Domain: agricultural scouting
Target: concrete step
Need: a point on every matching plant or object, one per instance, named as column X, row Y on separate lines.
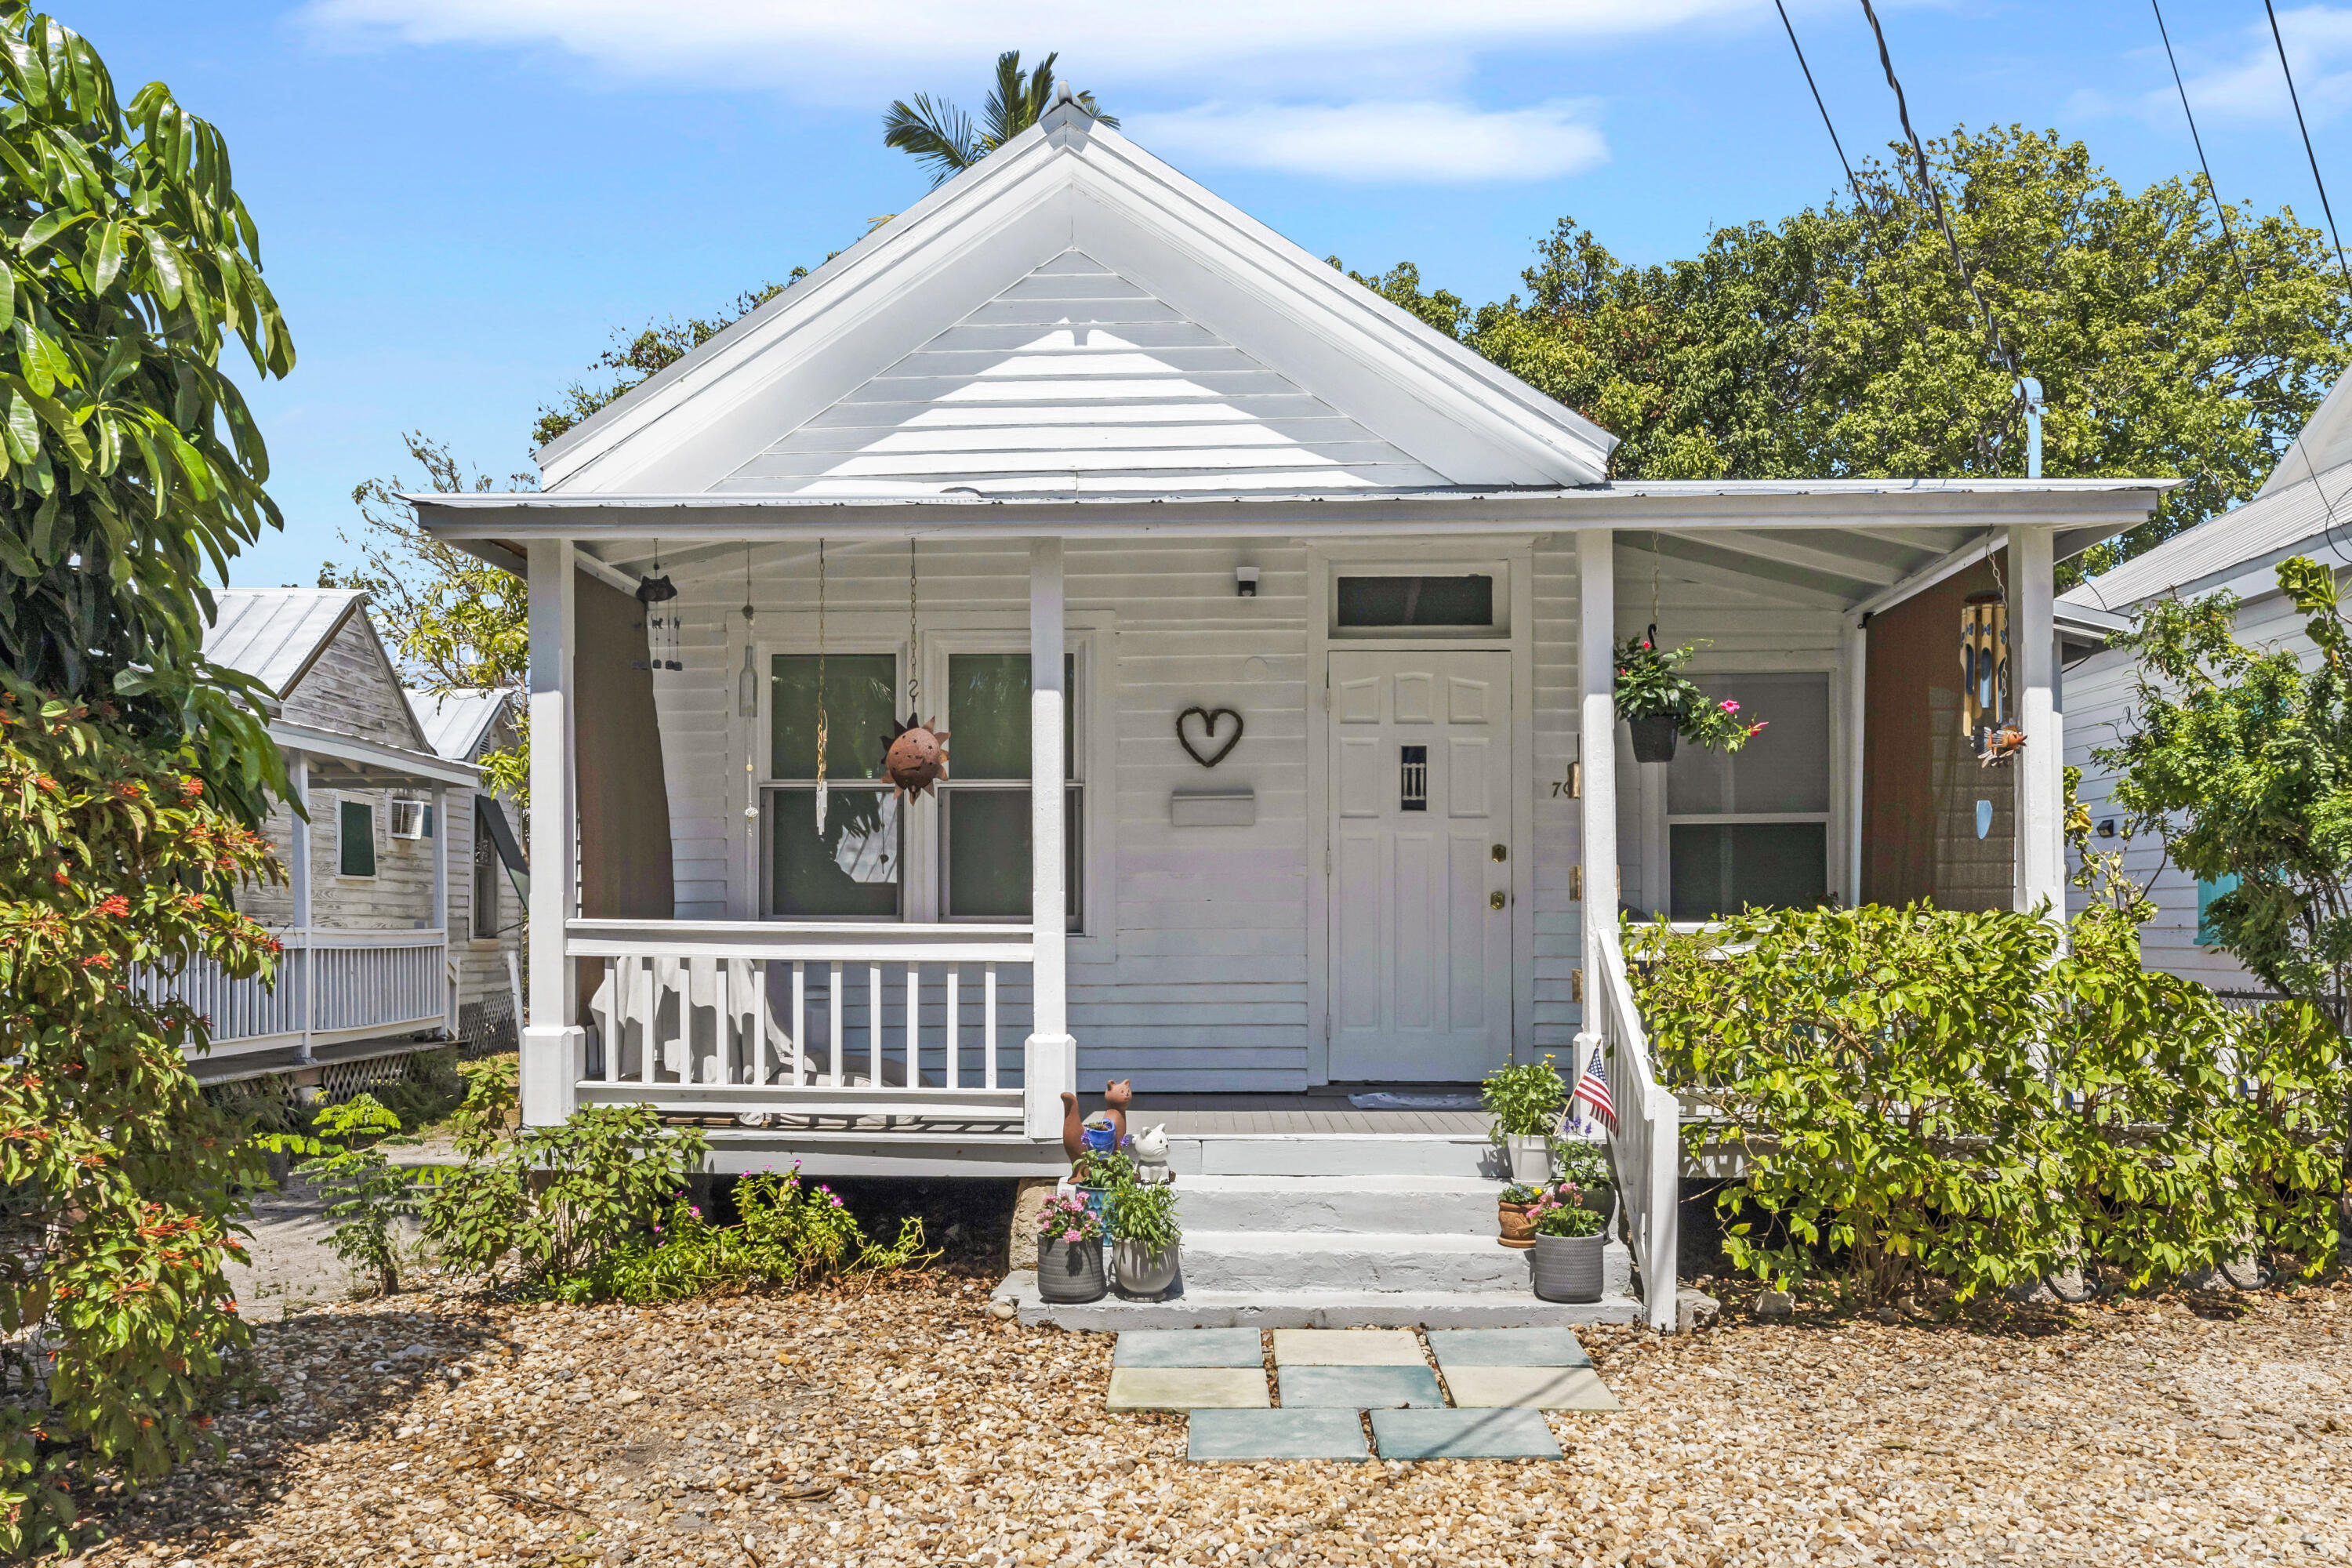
column 1317, row 1310
column 1359, row 1261
column 1333, row 1154
column 1287, row 1205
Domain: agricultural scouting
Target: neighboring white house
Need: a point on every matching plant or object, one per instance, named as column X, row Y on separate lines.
column 486, row 943
column 1302, row 612
column 368, row 974
column 2303, row 508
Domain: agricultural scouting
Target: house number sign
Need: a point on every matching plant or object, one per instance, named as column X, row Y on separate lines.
column 1208, row 718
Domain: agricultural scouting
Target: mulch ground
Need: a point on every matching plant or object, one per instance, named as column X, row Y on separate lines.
column 906, row 1425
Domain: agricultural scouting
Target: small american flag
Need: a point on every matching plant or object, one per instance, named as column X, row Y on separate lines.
column 1593, row 1089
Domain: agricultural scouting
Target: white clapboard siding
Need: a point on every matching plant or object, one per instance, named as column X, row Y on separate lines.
column 2098, row 697
column 1074, row 380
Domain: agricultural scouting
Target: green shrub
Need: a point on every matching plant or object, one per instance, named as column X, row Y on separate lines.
column 786, row 1235
column 1147, row 1214
column 1526, row 1100
column 366, row 1195
column 559, row 1204
column 1921, row 1093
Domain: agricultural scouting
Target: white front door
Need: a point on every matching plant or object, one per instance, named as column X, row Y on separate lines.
column 1421, row 929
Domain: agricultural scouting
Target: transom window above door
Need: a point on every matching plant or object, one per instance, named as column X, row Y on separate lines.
column 1388, row 604
column 1750, row 830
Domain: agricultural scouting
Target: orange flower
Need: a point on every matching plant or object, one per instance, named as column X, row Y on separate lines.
column 191, row 788
column 113, row 904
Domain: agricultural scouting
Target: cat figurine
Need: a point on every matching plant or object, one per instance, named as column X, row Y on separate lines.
column 1149, row 1149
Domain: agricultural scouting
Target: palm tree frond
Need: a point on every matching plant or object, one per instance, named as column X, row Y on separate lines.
column 938, row 134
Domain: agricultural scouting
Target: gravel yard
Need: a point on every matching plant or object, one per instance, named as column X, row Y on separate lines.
column 906, row 1426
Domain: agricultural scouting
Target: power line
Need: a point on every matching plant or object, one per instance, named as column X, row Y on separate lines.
column 1824, row 108
column 2299, row 125
column 1935, row 195
column 2199, row 142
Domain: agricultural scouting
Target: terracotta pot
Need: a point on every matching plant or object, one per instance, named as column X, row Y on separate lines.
column 1070, row 1271
column 1654, row 737
column 1518, row 1230
column 1569, row 1268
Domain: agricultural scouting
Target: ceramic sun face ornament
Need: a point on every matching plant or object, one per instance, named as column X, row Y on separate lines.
column 915, row 757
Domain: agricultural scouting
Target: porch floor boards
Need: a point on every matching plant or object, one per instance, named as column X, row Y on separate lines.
column 1321, row 1109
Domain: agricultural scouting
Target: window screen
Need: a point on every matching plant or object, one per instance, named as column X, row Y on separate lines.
column 985, row 801
column 1750, row 829
column 486, row 876
column 356, row 823
column 1366, row 602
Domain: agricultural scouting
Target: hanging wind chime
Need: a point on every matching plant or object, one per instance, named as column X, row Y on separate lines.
column 915, row 757
column 747, row 703
column 1986, row 726
column 822, row 799
column 661, row 630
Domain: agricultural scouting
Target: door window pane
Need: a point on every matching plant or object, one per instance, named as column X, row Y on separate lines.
column 988, row 716
column 859, row 689
column 357, row 850
column 1721, row 868
column 1416, row 601
column 1785, row 769
column 849, row 870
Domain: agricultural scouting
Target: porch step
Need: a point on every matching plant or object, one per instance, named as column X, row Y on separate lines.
column 1422, row 1263
column 1371, row 1204
column 1333, row 1154
column 1316, row 1309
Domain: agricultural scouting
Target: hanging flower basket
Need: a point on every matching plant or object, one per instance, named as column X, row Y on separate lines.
column 1660, row 703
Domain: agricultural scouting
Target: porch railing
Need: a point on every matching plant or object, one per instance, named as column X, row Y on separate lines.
column 1646, row 1143
column 330, row 986
column 802, row 1019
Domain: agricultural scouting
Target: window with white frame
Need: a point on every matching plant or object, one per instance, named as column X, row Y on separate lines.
column 1750, row 829
column 849, row 865
column 984, row 837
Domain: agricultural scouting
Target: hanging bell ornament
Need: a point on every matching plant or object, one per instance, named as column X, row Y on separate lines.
column 915, row 757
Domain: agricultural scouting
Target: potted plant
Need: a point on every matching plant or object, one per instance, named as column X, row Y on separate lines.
column 1103, row 1176
column 1511, row 1214
column 1070, row 1251
column 1569, row 1245
column 1144, row 1238
column 1659, row 702
column 1525, row 1101
column 1584, row 1166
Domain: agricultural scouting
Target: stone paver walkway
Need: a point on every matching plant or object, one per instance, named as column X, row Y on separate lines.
column 1338, row 1384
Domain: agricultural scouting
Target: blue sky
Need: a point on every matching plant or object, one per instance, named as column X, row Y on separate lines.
column 461, row 200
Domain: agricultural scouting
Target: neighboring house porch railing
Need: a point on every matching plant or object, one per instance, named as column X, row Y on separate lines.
column 802, row 1019
column 332, row 987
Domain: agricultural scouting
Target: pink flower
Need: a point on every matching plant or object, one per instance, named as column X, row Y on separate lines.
column 1070, row 1236
column 1728, row 706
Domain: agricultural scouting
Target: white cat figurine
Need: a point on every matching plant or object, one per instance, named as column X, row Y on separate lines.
column 1149, row 1149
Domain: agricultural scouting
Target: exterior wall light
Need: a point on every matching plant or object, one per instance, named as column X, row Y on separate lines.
column 1245, row 582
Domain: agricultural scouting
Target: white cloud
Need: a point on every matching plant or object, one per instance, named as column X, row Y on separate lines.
column 2252, row 88
column 1421, row 142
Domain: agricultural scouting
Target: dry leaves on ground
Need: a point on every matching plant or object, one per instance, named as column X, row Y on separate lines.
column 907, row 1427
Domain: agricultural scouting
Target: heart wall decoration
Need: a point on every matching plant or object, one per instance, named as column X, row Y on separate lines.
column 1208, row 718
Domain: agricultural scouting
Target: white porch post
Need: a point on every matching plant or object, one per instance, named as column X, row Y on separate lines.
column 1051, row 1056
column 298, row 874
column 441, row 906
column 2033, row 670
column 1857, row 707
column 553, row 1052
column 1596, row 678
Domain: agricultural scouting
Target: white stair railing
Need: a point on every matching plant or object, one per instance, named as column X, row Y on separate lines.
column 1646, row 1143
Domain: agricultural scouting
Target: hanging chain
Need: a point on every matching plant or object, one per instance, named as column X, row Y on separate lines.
column 820, row 802
column 1653, row 585
column 914, row 665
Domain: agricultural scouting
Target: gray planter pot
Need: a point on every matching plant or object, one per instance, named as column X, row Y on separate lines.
column 1567, row 1268
column 1654, row 738
column 1530, row 1158
column 1142, row 1272
column 1070, row 1272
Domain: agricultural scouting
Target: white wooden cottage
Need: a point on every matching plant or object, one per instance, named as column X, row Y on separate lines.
column 1304, row 612
column 368, row 910
column 2305, row 508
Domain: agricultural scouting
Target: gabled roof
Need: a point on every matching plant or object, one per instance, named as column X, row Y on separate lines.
column 275, row 635
column 454, row 722
column 2324, row 442
column 1069, row 316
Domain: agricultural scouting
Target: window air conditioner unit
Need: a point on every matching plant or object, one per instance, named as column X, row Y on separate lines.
column 411, row 819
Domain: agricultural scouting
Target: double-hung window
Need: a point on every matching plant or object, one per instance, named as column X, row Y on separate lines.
column 848, row 867
column 1750, row 829
column 985, row 801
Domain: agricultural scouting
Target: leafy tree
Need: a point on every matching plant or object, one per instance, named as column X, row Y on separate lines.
column 944, row 136
column 637, row 358
column 2240, row 759
column 1839, row 340
column 133, row 464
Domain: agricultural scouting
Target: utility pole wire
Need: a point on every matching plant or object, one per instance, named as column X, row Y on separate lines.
column 1935, row 195
column 2199, row 142
column 1824, row 108
column 2291, row 96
